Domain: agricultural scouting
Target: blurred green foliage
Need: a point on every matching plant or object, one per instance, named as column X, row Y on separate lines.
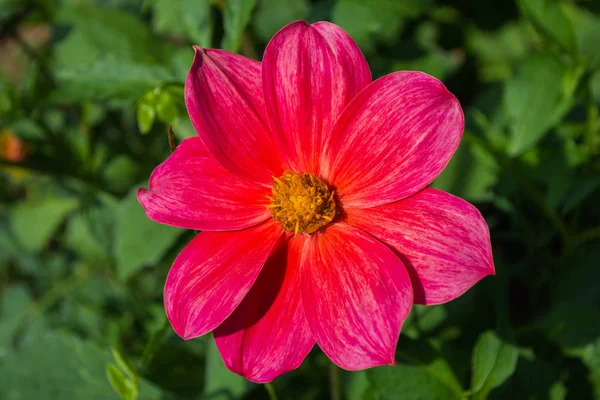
column 87, row 91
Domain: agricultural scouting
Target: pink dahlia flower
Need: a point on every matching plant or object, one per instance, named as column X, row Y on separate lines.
column 309, row 184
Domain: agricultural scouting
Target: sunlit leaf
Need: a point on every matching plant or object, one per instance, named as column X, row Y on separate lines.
column 236, row 16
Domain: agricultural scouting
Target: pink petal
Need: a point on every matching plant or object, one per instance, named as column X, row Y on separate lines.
column 310, row 73
column 191, row 190
column 443, row 241
column 212, row 274
column 223, row 95
column 267, row 335
column 356, row 294
column 393, row 139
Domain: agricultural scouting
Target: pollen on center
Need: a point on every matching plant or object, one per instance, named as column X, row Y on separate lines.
column 301, row 202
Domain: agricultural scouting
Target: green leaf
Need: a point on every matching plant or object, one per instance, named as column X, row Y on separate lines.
column 34, row 222
column 183, row 128
column 272, row 15
column 558, row 391
column 550, row 19
column 484, row 358
column 369, row 20
column 587, row 32
column 139, row 241
column 414, row 382
column 59, row 367
column 198, row 22
column 236, row 16
column 32, row 373
column 488, row 375
column 498, row 52
column 167, row 107
column 188, row 18
column 123, row 364
column 471, row 173
column 595, row 86
column 536, row 98
column 81, row 239
column 222, row 384
column 104, row 31
column 109, row 78
column 120, row 173
column 590, row 355
column 146, row 115
column 15, row 302
column 120, row 383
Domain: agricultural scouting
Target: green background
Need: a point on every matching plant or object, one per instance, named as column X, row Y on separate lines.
column 90, row 88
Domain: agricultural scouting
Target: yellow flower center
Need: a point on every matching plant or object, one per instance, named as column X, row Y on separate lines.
column 301, row 202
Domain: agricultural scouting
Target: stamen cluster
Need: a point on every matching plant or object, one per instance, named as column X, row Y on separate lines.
column 301, row 202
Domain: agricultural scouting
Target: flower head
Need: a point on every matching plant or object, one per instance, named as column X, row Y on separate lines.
column 309, row 184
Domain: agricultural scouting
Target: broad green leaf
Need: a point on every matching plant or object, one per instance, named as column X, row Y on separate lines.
column 587, row 32
column 485, row 354
column 471, row 173
column 369, row 20
column 222, row 384
column 236, row 16
column 109, row 78
column 272, row 15
column 536, row 98
column 81, row 239
column 504, row 366
column 551, row 20
column 139, row 241
column 198, row 22
column 59, row 367
column 189, row 18
column 120, row 173
column 104, row 31
column 414, row 382
column 14, row 303
column 34, row 222
column 498, row 52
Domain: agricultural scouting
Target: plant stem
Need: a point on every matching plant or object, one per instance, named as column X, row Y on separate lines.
column 334, row 382
column 269, row 387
